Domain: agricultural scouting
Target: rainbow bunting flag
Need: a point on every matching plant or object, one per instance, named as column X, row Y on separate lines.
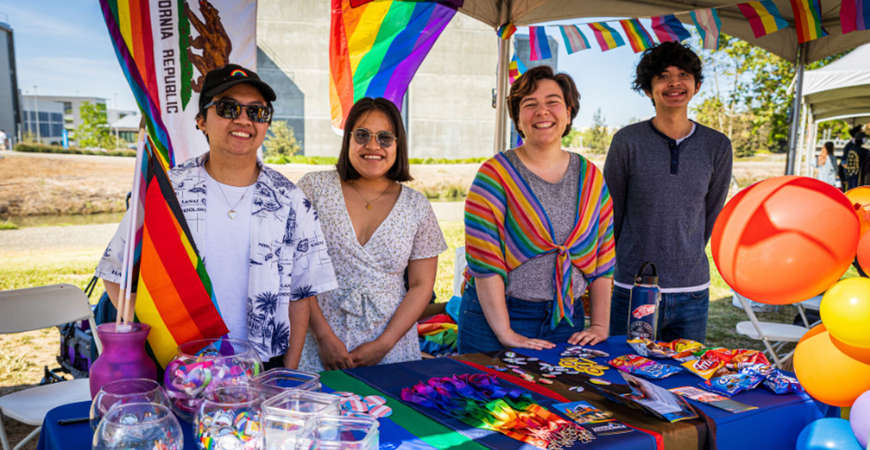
column 606, row 36
column 538, row 44
column 574, row 39
column 763, row 17
column 515, row 69
column 375, row 48
column 668, row 28
column 708, row 24
column 638, row 37
column 174, row 293
column 506, row 31
column 807, row 20
column 854, row 15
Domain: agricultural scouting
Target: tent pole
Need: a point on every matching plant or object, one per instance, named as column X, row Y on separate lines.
column 501, row 94
column 800, row 58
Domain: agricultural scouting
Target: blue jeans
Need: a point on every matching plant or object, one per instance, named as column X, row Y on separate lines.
column 530, row 319
column 681, row 315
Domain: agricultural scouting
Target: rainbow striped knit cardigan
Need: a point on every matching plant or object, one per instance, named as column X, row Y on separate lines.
column 506, row 225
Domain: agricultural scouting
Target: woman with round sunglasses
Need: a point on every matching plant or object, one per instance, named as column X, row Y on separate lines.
column 375, row 229
column 538, row 232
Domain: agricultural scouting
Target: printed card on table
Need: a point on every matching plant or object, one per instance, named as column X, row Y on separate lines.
column 715, row 400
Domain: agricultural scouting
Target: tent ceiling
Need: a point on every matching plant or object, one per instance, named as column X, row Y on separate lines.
column 782, row 43
column 841, row 88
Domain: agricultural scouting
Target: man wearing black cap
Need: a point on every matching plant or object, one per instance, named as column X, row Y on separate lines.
column 258, row 236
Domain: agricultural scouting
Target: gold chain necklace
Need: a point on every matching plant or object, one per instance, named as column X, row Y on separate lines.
column 369, row 202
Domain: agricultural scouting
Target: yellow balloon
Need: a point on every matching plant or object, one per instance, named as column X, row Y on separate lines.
column 845, row 311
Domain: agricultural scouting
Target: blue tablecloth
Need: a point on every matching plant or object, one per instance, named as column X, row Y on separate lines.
column 774, row 425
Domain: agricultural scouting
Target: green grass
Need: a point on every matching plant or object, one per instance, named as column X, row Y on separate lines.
column 7, row 225
column 22, row 272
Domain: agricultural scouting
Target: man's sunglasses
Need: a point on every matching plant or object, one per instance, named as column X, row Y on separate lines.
column 231, row 109
column 385, row 139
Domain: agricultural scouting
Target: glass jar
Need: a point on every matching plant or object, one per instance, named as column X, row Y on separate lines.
column 138, row 426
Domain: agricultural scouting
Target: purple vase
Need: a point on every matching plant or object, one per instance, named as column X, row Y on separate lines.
column 123, row 356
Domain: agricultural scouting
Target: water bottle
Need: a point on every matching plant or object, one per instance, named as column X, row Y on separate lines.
column 644, row 304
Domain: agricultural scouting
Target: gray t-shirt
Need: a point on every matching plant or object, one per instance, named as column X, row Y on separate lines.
column 533, row 280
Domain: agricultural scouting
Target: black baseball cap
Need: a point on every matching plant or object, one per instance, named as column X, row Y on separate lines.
column 223, row 78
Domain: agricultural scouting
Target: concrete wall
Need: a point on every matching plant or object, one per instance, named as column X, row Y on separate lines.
column 450, row 98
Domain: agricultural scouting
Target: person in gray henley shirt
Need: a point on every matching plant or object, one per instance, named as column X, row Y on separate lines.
column 668, row 178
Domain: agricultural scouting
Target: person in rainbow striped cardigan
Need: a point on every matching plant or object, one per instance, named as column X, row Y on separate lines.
column 539, row 232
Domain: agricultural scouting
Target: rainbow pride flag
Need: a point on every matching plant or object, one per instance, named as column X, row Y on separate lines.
column 763, row 17
column 854, row 15
column 574, row 39
column 638, row 37
column 708, row 25
column 174, row 293
column 807, row 20
column 668, row 28
column 375, row 48
column 515, row 69
column 538, row 44
column 606, row 36
column 506, row 31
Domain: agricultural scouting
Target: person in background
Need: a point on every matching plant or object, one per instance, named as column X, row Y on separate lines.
column 376, row 230
column 259, row 239
column 854, row 159
column 538, row 231
column 668, row 177
column 826, row 163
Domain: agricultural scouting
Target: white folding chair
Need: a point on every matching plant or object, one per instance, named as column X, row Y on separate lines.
column 774, row 335
column 33, row 309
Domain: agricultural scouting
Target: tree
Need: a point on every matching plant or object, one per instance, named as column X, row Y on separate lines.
column 94, row 130
column 597, row 137
column 574, row 139
column 282, row 140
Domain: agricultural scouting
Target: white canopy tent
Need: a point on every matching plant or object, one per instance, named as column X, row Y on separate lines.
column 782, row 43
column 840, row 90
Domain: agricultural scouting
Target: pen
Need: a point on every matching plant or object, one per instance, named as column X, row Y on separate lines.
column 73, row 420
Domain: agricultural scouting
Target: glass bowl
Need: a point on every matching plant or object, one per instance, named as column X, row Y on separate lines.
column 138, row 426
column 202, row 365
column 133, row 390
column 340, row 433
column 229, row 418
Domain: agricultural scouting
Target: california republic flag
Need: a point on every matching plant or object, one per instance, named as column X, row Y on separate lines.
column 167, row 46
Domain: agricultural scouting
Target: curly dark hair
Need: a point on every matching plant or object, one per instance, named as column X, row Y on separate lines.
column 528, row 82
column 656, row 59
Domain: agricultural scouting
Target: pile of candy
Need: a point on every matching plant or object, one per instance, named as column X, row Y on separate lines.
column 715, row 362
column 638, row 365
column 373, row 406
column 226, row 428
column 679, row 349
column 749, row 377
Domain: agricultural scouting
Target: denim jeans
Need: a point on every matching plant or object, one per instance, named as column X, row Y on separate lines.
column 530, row 319
column 681, row 315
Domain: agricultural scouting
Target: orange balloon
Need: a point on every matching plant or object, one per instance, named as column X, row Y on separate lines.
column 860, row 199
column 864, row 252
column 828, row 374
column 859, row 353
column 785, row 239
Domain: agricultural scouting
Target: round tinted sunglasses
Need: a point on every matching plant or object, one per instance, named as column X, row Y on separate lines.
column 362, row 136
column 231, row 109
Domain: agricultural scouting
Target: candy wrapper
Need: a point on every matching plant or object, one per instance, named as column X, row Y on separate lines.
column 679, row 349
column 741, row 358
column 780, row 383
column 731, row 384
column 639, row 365
column 709, row 363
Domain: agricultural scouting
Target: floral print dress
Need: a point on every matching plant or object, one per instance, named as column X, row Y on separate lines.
column 370, row 277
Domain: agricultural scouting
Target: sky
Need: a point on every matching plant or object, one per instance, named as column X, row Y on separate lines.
column 62, row 48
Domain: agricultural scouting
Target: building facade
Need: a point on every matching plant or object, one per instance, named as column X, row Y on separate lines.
column 449, row 103
column 9, row 105
column 45, row 118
